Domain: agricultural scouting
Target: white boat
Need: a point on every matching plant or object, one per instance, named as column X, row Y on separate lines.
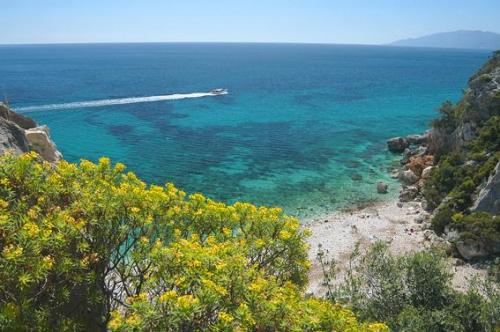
column 218, row 92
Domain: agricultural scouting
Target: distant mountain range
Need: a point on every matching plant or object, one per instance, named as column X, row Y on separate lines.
column 455, row 39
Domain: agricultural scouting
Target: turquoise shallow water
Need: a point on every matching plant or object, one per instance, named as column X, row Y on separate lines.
column 303, row 126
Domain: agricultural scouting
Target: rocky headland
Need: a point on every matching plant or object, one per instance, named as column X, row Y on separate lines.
column 20, row 134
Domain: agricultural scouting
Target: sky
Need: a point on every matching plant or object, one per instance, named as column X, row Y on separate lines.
column 307, row 21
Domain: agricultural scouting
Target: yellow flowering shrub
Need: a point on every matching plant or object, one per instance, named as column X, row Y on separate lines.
column 88, row 246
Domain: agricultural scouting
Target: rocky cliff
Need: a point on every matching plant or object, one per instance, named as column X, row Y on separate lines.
column 454, row 168
column 20, row 134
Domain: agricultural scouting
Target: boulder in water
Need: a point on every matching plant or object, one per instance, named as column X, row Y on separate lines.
column 382, row 187
column 397, row 144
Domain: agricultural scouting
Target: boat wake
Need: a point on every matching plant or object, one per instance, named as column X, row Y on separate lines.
column 119, row 101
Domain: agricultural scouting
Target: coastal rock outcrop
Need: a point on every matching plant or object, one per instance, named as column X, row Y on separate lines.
column 417, row 163
column 401, row 144
column 397, row 144
column 20, row 134
column 19, row 119
column 417, row 138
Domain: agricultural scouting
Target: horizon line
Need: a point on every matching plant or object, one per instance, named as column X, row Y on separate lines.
column 186, row 42
column 245, row 42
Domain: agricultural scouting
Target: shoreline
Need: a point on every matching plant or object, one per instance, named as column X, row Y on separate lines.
column 404, row 227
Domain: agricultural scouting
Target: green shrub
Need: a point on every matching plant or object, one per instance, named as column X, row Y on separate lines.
column 447, row 119
column 413, row 293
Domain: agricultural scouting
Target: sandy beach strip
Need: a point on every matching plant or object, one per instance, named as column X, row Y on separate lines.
column 404, row 227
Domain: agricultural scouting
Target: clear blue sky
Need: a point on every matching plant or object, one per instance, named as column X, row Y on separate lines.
column 323, row 21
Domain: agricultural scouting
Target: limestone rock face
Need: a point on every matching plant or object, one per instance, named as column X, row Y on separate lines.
column 488, row 199
column 464, row 133
column 20, row 134
column 12, row 138
column 40, row 142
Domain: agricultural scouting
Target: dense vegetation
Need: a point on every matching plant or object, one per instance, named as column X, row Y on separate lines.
column 412, row 292
column 463, row 168
column 90, row 247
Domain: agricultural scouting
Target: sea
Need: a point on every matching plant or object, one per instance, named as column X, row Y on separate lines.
column 302, row 127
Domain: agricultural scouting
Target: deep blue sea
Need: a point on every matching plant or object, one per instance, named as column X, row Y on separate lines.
column 303, row 126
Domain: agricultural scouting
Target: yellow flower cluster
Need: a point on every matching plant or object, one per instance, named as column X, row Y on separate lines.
column 12, row 252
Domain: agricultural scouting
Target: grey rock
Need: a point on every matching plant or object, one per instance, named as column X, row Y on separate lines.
column 420, row 219
column 408, row 193
column 451, row 234
column 426, row 172
column 382, row 187
column 19, row 119
column 488, row 199
column 397, row 144
column 464, row 133
column 471, row 249
column 417, row 139
column 408, row 177
column 421, row 150
column 12, row 138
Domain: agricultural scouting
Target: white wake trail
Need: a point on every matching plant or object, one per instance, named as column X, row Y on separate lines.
column 118, row 101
